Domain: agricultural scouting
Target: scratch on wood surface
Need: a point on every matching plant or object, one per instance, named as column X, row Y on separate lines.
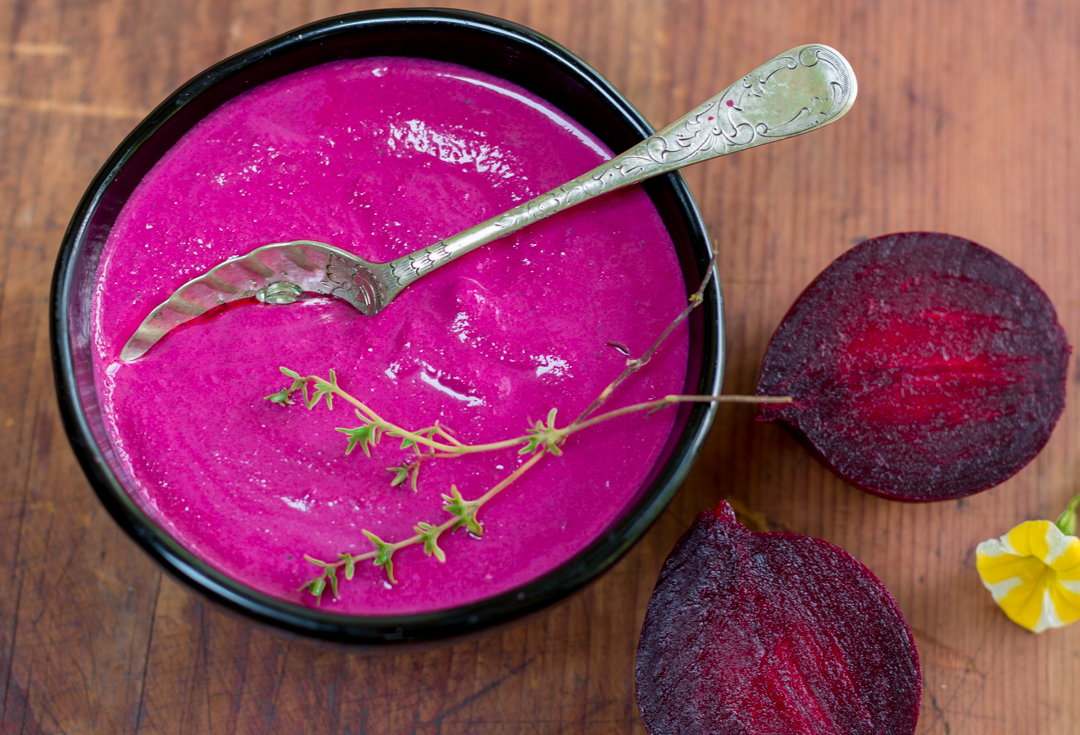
column 74, row 109
column 947, row 657
column 204, row 640
column 939, row 715
column 114, row 583
column 15, row 701
column 511, row 673
column 146, row 659
column 939, row 712
column 16, row 715
column 10, row 685
column 43, row 434
column 36, row 49
column 241, row 653
column 270, row 713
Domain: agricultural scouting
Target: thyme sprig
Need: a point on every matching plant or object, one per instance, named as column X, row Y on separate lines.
column 463, row 513
column 435, row 441
column 542, row 435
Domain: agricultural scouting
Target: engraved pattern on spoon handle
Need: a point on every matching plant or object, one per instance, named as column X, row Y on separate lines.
column 793, row 93
column 802, row 89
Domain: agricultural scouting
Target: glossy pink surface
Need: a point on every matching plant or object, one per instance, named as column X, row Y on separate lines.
column 381, row 157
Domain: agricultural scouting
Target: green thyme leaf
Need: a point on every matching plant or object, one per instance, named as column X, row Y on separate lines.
column 410, row 443
column 430, row 535
column 365, row 436
column 317, row 562
column 544, row 436
column 329, row 390
column 333, row 581
column 316, row 587
column 401, row 476
column 384, row 555
column 322, row 388
column 316, row 396
column 282, row 397
column 465, row 510
column 350, row 564
column 320, row 391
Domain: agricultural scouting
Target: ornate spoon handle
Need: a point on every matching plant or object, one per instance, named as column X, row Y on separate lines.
column 805, row 88
column 793, row 93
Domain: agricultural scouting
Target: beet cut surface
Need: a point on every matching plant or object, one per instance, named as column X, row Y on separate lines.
column 767, row 633
column 922, row 366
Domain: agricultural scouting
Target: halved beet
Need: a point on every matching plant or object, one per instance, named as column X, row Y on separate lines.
column 922, row 366
column 761, row 633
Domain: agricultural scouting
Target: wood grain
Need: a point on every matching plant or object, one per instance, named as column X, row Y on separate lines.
column 966, row 123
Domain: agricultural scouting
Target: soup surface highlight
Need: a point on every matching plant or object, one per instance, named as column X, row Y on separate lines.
column 381, row 157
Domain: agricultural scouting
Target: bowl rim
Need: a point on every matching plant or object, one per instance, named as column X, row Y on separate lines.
column 435, row 625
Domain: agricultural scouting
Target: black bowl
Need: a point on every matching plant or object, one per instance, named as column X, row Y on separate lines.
column 490, row 45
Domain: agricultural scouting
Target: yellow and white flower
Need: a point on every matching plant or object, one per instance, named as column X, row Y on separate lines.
column 1033, row 572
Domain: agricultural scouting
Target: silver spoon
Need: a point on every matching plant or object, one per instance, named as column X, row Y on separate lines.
column 793, row 93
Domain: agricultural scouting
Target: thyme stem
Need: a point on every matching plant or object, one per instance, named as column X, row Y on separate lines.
column 670, row 401
column 632, row 366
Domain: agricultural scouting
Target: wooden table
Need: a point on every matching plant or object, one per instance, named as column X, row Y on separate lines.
column 966, row 123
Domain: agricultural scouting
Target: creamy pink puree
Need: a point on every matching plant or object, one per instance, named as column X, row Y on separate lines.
column 380, row 157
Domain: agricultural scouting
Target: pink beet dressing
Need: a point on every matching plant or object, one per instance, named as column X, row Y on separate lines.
column 381, row 157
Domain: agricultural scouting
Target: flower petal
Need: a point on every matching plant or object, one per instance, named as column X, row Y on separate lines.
column 1029, row 539
column 1033, row 573
column 1066, row 602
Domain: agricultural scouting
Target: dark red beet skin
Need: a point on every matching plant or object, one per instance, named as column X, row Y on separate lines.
column 922, row 366
column 772, row 633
